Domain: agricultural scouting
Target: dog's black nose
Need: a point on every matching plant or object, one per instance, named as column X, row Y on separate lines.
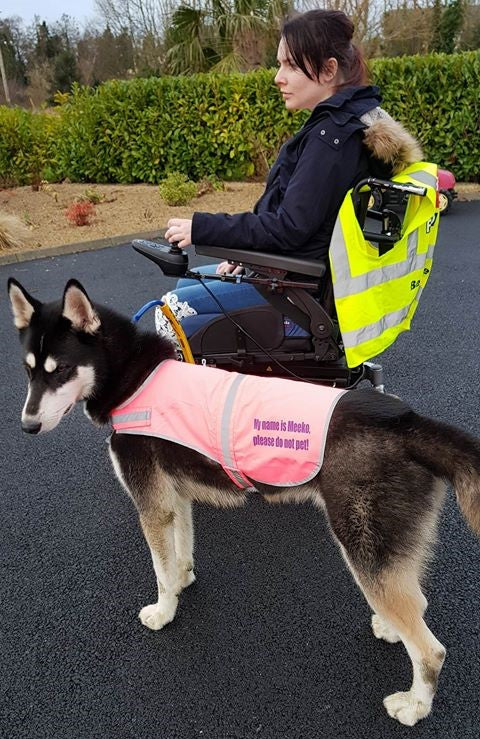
column 31, row 427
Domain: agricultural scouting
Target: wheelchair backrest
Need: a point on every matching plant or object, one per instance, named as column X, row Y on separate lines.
column 378, row 278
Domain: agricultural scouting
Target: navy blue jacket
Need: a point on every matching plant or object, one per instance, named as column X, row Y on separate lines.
column 306, row 185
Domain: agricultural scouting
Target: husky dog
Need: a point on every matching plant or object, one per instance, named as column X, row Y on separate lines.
column 381, row 485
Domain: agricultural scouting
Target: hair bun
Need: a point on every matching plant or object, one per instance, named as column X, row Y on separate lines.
column 351, row 28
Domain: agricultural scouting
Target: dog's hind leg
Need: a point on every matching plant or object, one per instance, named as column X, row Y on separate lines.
column 397, row 599
column 383, row 630
column 402, row 604
column 184, row 543
column 158, row 528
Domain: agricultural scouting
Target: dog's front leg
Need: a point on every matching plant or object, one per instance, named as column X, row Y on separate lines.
column 184, row 543
column 158, row 528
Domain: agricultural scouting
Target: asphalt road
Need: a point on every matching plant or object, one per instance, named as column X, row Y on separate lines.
column 273, row 640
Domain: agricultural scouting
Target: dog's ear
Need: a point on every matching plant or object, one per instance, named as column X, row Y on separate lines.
column 23, row 305
column 78, row 308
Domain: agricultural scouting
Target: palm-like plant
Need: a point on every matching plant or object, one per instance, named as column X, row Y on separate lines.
column 223, row 35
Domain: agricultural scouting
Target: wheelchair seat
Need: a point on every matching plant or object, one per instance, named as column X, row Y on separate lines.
column 253, row 340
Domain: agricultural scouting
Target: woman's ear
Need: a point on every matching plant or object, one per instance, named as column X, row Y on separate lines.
column 329, row 70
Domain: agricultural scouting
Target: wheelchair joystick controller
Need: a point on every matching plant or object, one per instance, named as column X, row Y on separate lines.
column 169, row 257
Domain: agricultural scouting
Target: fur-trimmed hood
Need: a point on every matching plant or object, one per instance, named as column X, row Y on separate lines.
column 388, row 141
column 390, row 146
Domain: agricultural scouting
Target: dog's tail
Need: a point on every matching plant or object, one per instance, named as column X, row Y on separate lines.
column 453, row 455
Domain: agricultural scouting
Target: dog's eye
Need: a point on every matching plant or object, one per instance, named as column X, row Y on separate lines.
column 61, row 368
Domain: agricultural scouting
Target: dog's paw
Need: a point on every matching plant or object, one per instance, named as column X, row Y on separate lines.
column 158, row 615
column 406, row 708
column 384, row 631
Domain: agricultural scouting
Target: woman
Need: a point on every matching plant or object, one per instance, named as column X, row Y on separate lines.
column 322, row 71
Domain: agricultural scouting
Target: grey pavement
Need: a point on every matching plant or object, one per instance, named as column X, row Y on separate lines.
column 273, row 640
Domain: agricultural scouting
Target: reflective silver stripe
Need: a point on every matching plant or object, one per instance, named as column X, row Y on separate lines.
column 131, row 417
column 351, row 339
column 225, row 429
column 425, row 177
column 375, row 277
column 240, row 480
column 341, row 265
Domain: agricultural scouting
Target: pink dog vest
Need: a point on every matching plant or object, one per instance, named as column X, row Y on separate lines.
column 259, row 429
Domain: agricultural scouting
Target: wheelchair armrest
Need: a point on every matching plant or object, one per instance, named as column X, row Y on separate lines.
column 250, row 258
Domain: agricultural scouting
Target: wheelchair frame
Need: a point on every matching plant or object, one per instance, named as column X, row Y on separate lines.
column 308, row 301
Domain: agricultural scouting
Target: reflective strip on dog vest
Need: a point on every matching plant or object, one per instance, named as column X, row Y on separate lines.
column 376, row 296
column 266, row 430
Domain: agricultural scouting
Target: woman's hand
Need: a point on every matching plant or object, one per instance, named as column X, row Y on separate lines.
column 224, row 268
column 179, row 231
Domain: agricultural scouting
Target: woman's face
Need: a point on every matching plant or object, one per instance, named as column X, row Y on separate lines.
column 299, row 91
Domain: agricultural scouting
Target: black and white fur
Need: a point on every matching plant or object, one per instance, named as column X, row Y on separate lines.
column 381, row 485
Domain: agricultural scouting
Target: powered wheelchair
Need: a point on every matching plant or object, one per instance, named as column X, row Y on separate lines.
column 253, row 340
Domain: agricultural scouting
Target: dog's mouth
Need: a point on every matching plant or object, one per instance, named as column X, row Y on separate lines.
column 68, row 409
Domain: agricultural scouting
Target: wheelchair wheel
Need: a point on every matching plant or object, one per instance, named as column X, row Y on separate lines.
column 375, row 201
column 445, row 200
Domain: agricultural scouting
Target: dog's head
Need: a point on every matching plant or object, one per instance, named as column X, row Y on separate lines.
column 58, row 342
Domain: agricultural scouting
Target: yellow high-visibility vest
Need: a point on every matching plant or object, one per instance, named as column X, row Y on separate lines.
column 376, row 296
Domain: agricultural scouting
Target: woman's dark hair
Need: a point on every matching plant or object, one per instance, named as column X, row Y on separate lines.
column 317, row 35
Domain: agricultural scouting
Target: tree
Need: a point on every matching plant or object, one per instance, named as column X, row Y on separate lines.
column 47, row 45
column 406, row 28
column 87, row 49
column 223, row 35
column 448, row 22
column 11, row 52
column 40, row 83
column 65, row 71
column 113, row 56
column 436, row 40
column 106, row 59
column 451, row 25
column 470, row 35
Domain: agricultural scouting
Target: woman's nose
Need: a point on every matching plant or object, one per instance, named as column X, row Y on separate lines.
column 279, row 80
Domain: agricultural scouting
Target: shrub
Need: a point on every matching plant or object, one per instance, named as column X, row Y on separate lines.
column 80, row 212
column 177, row 189
column 209, row 184
column 93, row 196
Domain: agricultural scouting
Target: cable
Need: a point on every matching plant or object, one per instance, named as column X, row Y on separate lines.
column 297, row 377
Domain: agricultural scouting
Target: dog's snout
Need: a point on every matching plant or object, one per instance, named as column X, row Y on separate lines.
column 31, row 427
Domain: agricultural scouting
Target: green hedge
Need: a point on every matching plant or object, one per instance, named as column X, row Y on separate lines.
column 438, row 98
column 136, row 131
column 230, row 126
column 27, row 146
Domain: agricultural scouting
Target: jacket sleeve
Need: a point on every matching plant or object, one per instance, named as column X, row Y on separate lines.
column 323, row 175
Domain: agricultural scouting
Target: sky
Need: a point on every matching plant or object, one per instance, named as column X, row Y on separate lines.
column 48, row 10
